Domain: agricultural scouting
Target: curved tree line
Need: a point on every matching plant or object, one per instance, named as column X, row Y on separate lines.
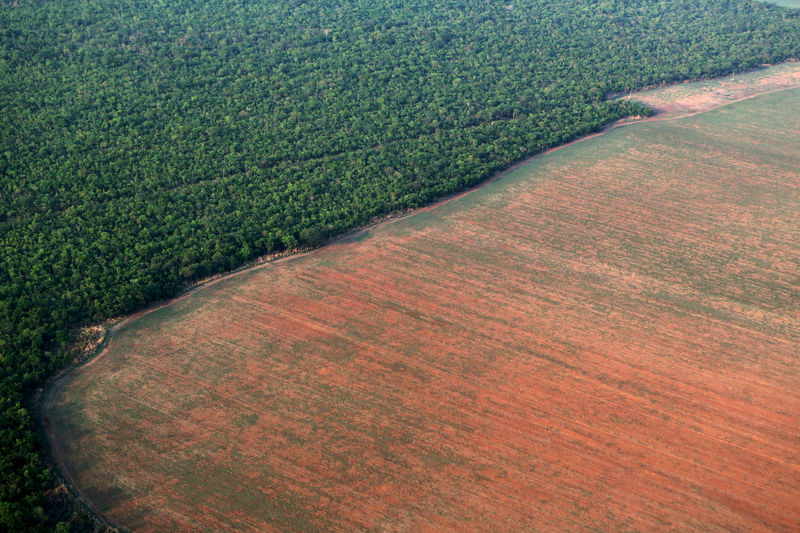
column 146, row 144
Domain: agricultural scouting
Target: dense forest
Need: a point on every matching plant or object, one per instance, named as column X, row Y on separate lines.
column 148, row 143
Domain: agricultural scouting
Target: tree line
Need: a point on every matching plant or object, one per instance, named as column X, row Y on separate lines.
column 147, row 144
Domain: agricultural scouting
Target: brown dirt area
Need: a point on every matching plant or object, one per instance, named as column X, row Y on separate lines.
column 690, row 98
column 607, row 338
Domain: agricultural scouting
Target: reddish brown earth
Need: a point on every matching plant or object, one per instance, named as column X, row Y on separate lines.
column 607, row 338
column 689, row 98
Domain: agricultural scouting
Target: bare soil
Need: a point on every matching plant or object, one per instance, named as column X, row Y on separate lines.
column 606, row 338
column 691, row 98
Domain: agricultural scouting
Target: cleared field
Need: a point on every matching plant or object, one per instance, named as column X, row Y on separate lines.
column 606, row 338
column 687, row 98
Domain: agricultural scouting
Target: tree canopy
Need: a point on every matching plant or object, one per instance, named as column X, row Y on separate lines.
column 144, row 144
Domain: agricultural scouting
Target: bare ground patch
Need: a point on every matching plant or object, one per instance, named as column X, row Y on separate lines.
column 606, row 337
column 696, row 97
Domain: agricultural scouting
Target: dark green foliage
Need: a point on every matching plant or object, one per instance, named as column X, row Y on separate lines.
column 145, row 144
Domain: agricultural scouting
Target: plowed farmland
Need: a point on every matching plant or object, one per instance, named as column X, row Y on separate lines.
column 605, row 338
column 687, row 98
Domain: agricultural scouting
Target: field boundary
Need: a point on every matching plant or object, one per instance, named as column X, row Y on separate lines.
column 57, row 382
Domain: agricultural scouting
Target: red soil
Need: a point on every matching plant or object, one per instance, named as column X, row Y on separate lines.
column 690, row 98
column 607, row 338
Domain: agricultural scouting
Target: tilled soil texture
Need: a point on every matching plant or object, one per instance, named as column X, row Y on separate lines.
column 607, row 337
column 695, row 97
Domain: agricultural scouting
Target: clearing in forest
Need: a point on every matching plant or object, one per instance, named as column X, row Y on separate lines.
column 607, row 337
column 695, row 97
